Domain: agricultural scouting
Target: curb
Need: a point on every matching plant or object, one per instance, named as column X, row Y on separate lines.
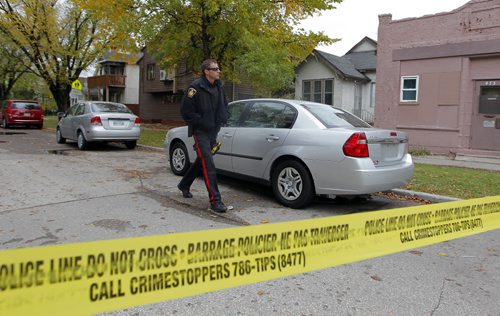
column 151, row 147
column 425, row 196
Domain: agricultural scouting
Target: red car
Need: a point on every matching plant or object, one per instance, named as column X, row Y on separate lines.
column 21, row 112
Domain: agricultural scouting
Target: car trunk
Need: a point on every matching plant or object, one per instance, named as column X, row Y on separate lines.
column 386, row 147
column 117, row 121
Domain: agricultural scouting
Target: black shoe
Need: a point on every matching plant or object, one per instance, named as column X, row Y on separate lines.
column 185, row 192
column 218, row 207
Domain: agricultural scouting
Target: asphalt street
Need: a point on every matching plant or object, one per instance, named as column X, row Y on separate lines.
column 54, row 194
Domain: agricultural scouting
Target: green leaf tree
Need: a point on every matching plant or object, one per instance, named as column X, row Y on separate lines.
column 11, row 67
column 58, row 39
column 257, row 39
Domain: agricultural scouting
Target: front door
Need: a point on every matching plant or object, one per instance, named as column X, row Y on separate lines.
column 486, row 116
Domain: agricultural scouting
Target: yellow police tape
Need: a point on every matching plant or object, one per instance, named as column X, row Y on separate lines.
column 92, row 277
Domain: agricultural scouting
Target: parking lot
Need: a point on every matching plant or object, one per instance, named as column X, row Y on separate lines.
column 55, row 194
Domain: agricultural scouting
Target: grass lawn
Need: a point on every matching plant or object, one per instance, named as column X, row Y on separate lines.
column 441, row 180
column 458, row 182
column 152, row 137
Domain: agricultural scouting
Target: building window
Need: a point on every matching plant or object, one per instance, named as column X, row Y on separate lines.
column 318, row 91
column 150, row 71
column 328, row 92
column 306, row 90
column 409, row 89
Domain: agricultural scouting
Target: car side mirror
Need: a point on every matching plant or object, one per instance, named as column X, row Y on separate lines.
column 60, row 115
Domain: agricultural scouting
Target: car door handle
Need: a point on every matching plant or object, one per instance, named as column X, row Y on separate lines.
column 271, row 138
column 227, row 135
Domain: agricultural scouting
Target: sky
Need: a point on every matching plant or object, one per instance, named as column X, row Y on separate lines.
column 352, row 20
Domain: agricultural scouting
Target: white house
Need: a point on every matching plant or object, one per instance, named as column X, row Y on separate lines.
column 347, row 82
column 117, row 79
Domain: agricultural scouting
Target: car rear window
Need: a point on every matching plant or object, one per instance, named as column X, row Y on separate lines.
column 110, row 107
column 332, row 117
column 26, row 105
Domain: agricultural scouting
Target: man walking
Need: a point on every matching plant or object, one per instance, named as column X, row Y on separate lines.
column 204, row 108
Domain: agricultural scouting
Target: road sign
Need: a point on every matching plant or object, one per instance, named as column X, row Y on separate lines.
column 76, row 85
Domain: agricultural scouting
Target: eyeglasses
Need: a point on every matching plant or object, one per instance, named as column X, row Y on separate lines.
column 214, row 68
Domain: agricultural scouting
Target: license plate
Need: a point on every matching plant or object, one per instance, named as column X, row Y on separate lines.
column 27, row 114
column 390, row 150
column 117, row 123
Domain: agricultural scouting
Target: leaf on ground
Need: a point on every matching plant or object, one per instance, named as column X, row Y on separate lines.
column 376, row 277
column 264, row 221
column 416, row 252
column 260, row 293
column 443, row 254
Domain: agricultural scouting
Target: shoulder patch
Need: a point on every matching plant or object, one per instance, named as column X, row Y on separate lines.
column 191, row 92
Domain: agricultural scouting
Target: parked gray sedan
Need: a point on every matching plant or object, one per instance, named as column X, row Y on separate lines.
column 98, row 121
column 302, row 149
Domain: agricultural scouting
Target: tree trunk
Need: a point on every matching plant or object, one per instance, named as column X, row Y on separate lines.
column 3, row 93
column 60, row 92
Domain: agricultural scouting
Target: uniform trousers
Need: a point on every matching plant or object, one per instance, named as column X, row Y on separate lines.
column 204, row 163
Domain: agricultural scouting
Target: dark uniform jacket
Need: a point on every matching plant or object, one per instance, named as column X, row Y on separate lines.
column 204, row 106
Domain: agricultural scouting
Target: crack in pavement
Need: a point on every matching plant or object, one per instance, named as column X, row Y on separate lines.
column 440, row 298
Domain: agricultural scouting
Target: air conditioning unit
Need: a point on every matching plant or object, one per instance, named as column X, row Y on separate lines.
column 167, row 75
column 163, row 75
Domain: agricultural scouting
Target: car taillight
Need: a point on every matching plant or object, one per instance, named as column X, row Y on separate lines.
column 356, row 146
column 137, row 121
column 96, row 120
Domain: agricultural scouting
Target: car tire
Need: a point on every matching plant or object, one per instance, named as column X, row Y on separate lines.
column 39, row 126
column 292, row 184
column 179, row 159
column 81, row 142
column 4, row 123
column 59, row 138
column 131, row 144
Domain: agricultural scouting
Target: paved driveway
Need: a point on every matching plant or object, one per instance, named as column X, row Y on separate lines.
column 55, row 194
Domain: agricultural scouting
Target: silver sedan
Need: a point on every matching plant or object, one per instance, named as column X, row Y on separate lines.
column 302, row 149
column 98, row 121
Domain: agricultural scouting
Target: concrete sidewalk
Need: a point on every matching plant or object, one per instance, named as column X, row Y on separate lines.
column 463, row 161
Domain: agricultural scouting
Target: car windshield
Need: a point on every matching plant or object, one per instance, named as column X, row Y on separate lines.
column 26, row 105
column 332, row 117
column 110, row 107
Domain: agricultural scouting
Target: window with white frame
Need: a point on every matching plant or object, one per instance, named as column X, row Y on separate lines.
column 409, row 89
column 318, row 91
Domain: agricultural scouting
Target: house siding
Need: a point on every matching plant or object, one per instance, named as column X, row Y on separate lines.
column 131, row 93
column 316, row 67
column 450, row 52
column 160, row 101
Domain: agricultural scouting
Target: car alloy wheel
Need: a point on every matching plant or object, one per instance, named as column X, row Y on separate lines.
column 179, row 159
column 292, row 184
column 59, row 138
column 81, row 141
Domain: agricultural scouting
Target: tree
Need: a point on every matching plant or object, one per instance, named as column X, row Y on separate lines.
column 58, row 39
column 11, row 67
column 258, row 39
